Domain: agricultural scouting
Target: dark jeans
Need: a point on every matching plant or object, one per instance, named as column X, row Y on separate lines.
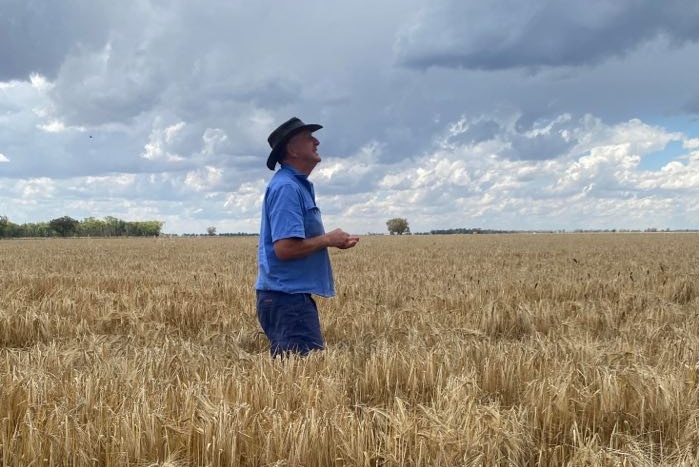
column 290, row 322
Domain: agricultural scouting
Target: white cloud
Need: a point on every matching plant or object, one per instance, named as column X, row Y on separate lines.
column 675, row 176
column 40, row 83
column 691, row 143
column 247, row 199
column 160, row 142
column 208, row 178
column 43, row 187
column 123, row 181
column 473, row 184
column 54, row 126
column 172, row 131
column 213, row 138
column 3, row 158
column 355, row 173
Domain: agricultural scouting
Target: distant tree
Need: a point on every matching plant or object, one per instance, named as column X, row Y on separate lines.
column 4, row 226
column 9, row 228
column 211, row 230
column 38, row 229
column 114, row 227
column 398, row 226
column 64, row 226
column 91, row 227
column 152, row 228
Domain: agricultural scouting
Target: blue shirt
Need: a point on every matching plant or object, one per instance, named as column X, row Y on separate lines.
column 289, row 211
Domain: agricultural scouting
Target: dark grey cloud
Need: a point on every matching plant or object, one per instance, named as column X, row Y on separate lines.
column 692, row 105
column 179, row 98
column 504, row 34
column 37, row 36
column 110, row 96
column 221, row 66
column 224, row 65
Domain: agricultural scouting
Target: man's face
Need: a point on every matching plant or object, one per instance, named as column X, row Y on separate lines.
column 303, row 147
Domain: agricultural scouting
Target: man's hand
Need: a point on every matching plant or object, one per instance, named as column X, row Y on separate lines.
column 341, row 239
column 293, row 248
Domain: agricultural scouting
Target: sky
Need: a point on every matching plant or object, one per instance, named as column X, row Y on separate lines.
column 506, row 114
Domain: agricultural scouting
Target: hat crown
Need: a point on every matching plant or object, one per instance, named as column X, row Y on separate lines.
column 283, row 130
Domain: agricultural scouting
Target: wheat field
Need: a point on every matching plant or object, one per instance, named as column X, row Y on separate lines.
column 568, row 349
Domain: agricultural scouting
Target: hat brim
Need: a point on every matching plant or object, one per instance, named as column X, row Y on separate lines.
column 279, row 148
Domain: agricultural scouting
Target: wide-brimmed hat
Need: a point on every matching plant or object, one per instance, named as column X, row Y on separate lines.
column 278, row 138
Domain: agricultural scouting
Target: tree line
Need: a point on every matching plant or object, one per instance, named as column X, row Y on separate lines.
column 66, row 226
column 469, row 231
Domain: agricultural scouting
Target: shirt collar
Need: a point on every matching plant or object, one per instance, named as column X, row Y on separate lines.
column 303, row 179
column 294, row 171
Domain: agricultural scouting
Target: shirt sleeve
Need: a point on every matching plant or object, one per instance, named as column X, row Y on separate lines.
column 285, row 212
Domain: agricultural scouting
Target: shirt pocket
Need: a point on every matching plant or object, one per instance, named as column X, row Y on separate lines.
column 312, row 222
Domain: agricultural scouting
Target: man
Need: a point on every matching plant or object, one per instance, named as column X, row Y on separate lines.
column 293, row 260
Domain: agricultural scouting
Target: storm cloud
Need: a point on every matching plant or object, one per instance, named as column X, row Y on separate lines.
column 497, row 114
column 505, row 34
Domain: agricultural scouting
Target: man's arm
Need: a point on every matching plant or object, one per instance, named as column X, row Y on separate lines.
column 294, row 248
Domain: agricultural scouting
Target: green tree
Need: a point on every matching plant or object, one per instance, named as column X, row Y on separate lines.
column 38, row 229
column 4, row 226
column 91, row 227
column 64, row 226
column 114, row 227
column 398, row 226
column 149, row 228
column 211, row 230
